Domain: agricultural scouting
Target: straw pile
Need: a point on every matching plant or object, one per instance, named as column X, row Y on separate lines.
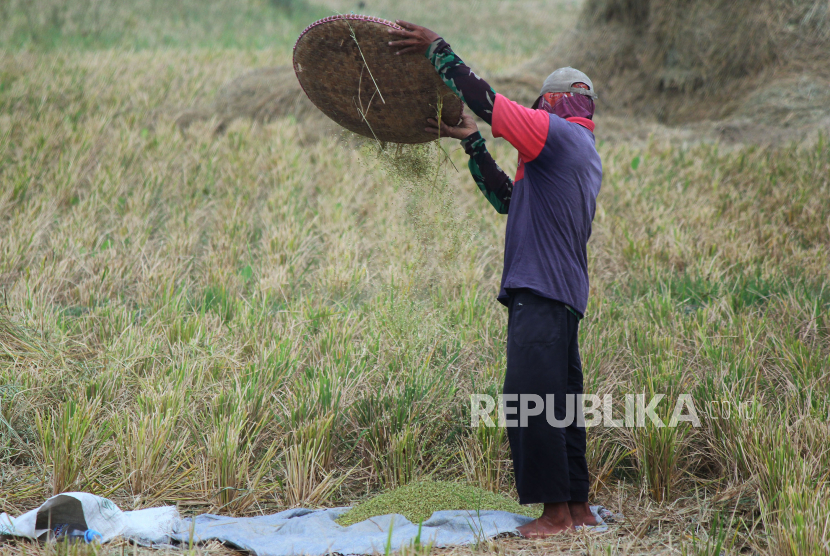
column 682, row 61
column 261, row 95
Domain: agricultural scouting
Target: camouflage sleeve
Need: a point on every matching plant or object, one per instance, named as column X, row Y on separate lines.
column 471, row 89
column 496, row 186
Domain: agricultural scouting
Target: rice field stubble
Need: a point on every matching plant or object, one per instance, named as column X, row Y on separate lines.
column 250, row 322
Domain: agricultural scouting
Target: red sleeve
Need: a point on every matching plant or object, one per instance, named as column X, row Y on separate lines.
column 524, row 128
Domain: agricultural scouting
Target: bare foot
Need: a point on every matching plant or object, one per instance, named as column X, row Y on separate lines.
column 554, row 520
column 581, row 513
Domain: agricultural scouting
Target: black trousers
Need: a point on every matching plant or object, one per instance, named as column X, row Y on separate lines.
column 543, row 358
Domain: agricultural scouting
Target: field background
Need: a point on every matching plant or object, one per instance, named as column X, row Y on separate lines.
column 251, row 321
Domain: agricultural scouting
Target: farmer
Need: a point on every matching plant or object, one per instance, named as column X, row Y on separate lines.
column 550, row 207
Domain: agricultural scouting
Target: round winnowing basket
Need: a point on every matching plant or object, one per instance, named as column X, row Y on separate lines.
column 346, row 68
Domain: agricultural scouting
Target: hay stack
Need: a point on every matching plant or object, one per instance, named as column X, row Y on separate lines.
column 682, row 60
column 262, row 95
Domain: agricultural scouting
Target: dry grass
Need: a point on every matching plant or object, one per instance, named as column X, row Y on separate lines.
column 247, row 322
column 152, row 24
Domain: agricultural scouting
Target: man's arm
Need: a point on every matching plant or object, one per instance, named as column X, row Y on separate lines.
column 524, row 128
column 496, row 186
column 470, row 88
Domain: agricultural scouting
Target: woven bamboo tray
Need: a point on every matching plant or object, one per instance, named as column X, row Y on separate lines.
column 348, row 71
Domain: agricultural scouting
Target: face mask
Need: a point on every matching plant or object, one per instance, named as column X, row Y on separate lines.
column 566, row 105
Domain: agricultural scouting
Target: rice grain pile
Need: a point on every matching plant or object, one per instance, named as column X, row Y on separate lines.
column 417, row 502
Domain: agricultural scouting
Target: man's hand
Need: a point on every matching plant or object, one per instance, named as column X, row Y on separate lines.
column 415, row 39
column 463, row 130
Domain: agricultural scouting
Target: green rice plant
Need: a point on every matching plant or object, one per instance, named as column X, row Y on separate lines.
column 156, row 453
column 184, row 330
column 804, row 364
column 316, row 395
column 659, row 453
column 658, row 447
column 484, row 455
column 237, row 454
column 776, row 462
column 800, row 524
column 219, row 300
column 253, row 391
column 403, row 458
column 309, row 478
column 17, row 345
column 234, row 470
column 17, row 436
column 728, row 418
column 789, row 463
column 395, row 428
column 715, row 541
column 246, row 399
column 73, row 447
column 605, row 454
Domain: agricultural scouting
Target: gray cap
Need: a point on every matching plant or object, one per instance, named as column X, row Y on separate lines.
column 562, row 80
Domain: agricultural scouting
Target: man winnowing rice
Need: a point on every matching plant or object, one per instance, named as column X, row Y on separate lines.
column 550, row 207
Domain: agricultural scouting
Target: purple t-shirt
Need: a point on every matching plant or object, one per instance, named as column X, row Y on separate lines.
column 552, row 204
